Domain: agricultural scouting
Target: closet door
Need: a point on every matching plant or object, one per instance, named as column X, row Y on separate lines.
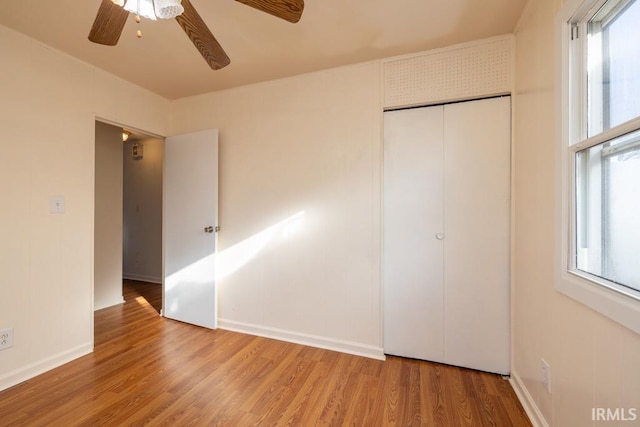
column 446, row 233
column 476, row 246
column 413, row 215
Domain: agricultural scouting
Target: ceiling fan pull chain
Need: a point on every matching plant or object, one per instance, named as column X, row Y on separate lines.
column 139, row 31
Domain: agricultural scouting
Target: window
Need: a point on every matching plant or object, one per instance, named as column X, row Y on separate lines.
column 613, row 65
column 599, row 228
column 607, row 211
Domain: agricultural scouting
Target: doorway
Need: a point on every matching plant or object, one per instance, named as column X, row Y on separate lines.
column 142, row 215
column 128, row 216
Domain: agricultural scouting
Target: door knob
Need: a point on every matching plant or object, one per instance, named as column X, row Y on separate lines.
column 208, row 229
column 440, row 236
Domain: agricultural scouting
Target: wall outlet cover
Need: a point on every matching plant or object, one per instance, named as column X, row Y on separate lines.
column 6, row 338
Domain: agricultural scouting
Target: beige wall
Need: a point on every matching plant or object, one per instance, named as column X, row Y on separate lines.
column 48, row 105
column 107, row 269
column 308, row 146
column 594, row 361
column 142, row 255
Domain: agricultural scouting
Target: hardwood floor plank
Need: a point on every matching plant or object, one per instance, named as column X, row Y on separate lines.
column 412, row 414
column 388, row 401
column 431, row 400
column 362, row 405
column 301, row 405
column 343, row 391
column 147, row 370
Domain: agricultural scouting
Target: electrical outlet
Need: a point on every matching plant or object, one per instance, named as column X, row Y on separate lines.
column 546, row 375
column 6, row 338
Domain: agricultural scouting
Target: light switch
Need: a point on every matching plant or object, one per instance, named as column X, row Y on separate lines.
column 56, row 204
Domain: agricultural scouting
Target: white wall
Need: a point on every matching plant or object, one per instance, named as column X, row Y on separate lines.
column 142, row 255
column 594, row 361
column 48, row 107
column 107, row 276
column 308, row 146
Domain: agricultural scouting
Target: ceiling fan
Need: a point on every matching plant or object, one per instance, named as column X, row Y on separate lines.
column 112, row 15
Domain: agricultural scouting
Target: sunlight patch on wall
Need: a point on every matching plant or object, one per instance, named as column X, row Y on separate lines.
column 235, row 257
column 190, row 283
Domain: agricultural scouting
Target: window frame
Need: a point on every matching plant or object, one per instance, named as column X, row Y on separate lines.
column 615, row 301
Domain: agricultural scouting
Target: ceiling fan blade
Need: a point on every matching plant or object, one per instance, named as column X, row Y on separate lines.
column 108, row 24
column 289, row 10
column 199, row 33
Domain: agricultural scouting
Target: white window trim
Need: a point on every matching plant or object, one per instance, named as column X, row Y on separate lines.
column 618, row 304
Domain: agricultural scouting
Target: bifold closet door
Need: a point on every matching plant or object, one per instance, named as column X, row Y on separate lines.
column 413, row 256
column 446, row 233
column 477, row 228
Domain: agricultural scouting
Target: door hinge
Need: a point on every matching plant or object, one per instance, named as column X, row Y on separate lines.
column 575, row 31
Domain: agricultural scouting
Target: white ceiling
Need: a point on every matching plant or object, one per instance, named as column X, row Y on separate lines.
column 261, row 47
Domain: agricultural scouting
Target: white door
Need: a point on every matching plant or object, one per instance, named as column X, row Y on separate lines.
column 446, row 233
column 413, row 257
column 190, row 218
column 476, row 244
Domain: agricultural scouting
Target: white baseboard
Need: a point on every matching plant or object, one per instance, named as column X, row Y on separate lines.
column 142, row 278
column 23, row 374
column 110, row 304
column 529, row 405
column 304, row 339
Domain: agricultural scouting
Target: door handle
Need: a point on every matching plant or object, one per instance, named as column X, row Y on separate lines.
column 440, row 236
column 208, row 229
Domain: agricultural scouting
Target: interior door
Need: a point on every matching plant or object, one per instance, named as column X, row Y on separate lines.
column 413, row 254
column 190, row 219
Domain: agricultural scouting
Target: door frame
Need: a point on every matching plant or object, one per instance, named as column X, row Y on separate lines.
column 101, row 119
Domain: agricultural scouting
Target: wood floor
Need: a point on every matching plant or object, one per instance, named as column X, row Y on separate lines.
column 150, row 292
column 150, row 370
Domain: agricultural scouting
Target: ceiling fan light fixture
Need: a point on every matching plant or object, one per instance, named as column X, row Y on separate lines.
column 168, row 9
column 152, row 9
column 143, row 8
column 112, row 16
